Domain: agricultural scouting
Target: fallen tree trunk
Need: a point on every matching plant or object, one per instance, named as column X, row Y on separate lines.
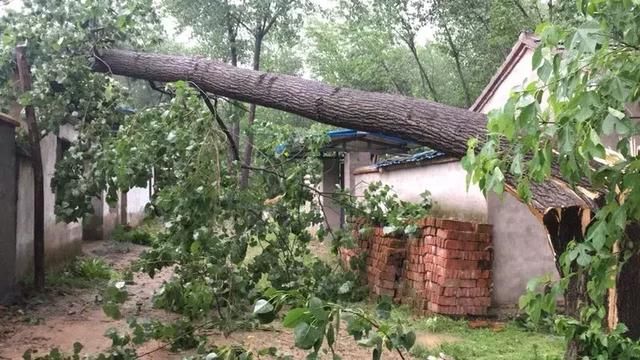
column 438, row 126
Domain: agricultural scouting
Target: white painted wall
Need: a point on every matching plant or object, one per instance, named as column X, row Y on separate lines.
column 445, row 181
column 520, row 241
column 62, row 241
column 137, row 199
column 521, row 75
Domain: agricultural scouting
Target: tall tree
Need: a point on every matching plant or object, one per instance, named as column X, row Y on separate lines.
column 404, row 18
column 238, row 29
column 587, row 90
column 56, row 83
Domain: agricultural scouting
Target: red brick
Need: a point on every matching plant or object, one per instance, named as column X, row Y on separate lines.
column 462, row 283
column 470, row 245
column 485, row 238
column 430, row 221
column 455, row 225
column 457, row 264
column 458, row 245
column 444, row 300
column 462, row 235
column 434, row 307
column 387, row 284
column 483, row 283
column 484, row 228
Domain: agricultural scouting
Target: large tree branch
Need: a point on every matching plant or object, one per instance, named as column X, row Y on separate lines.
column 429, row 123
column 223, row 126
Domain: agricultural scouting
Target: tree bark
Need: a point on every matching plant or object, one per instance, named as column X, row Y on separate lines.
column 438, row 126
column 24, row 74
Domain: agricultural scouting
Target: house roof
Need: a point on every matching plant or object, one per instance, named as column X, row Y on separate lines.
column 526, row 41
column 7, row 119
column 411, row 159
column 348, row 140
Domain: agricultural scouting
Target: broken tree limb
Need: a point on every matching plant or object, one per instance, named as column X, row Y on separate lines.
column 438, row 126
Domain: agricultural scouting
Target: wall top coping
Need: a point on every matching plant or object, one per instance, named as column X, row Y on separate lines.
column 7, row 119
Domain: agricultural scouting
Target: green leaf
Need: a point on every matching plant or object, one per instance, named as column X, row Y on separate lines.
column 112, row 310
column 536, row 60
column 496, row 181
column 306, row 335
column 619, row 89
column 586, row 37
column 583, row 259
column 408, row 339
column 262, row 306
column 316, row 307
column 389, row 229
column 614, row 123
column 345, row 287
column 383, row 309
column 377, row 354
column 294, row 317
column 598, row 236
column 411, row 229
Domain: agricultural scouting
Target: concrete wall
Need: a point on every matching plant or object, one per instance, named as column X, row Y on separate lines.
column 24, row 222
column 521, row 74
column 521, row 248
column 137, row 199
column 110, row 217
column 8, row 199
column 446, row 182
column 353, row 161
column 520, row 241
column 330, row 182
column 62, row 241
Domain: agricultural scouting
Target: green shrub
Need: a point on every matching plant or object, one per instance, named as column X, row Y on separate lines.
column 81, row 273
column 125, row 233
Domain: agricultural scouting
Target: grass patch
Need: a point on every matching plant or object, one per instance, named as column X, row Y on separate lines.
column 511, row 342
column 126, row 233
column 81, row 273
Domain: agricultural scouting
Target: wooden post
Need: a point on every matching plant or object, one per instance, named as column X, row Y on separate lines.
column 24, row 76
column 123, row 208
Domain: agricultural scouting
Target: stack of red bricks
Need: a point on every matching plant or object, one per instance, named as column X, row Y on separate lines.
column 385, row 257
column 456, row 263
column 446, row 270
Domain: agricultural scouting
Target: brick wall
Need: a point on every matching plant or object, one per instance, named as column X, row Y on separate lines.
column 445, row 270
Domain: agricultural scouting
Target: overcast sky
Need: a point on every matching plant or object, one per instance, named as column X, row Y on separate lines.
column 185, row 37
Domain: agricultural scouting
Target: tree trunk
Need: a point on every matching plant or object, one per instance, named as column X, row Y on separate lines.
column 521, row 8
column 628, row 301
column 566, row 225
column 248, row 147
column 232, row 34
column 456, row 57
column 24, row 74
column 423, row 72
column 438, row 126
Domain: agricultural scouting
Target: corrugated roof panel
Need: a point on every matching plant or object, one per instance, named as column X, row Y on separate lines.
column 421, row 156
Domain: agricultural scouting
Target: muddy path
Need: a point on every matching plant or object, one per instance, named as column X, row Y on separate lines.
column 61, row 318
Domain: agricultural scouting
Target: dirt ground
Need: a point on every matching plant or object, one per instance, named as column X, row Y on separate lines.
column 61, row 318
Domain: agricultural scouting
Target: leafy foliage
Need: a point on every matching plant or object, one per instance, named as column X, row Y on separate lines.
column 314, row 321
column 587, row 75
column 380, row 206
